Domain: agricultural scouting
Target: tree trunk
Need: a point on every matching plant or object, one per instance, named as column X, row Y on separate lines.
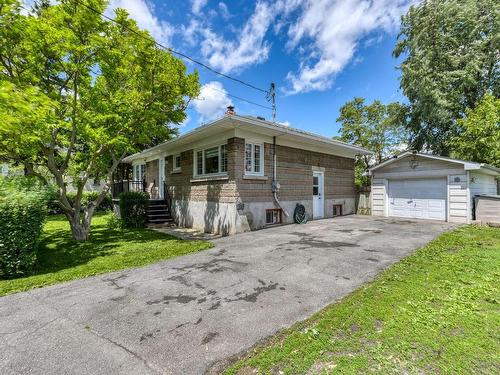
column 80, row 224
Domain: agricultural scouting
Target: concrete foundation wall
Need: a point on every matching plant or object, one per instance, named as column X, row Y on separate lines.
column 209, row 217
column 255, row 212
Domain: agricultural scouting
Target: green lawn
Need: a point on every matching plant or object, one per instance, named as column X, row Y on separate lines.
column 436, row 312
column 62, row 259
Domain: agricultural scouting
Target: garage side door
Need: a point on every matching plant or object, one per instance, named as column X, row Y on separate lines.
column 418, row 199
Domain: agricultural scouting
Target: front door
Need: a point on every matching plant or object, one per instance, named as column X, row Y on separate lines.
column 318, row 195
column 161, row 177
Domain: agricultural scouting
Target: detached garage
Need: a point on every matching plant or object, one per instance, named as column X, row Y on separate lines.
column 422, row 186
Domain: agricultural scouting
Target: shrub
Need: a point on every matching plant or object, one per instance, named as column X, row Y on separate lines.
column 133, row 209
column 114, row 222
column 22, row 213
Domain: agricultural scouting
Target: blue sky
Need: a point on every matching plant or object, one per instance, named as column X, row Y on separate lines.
column 320, row 53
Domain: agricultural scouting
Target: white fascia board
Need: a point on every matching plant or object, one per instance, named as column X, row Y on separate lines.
column 233, row 122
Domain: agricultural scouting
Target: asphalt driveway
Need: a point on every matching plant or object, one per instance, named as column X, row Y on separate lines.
column 185, row 315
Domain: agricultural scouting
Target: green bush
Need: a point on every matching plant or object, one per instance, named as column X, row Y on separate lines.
column 22, row 213
column 113, row 222
column 133, row 209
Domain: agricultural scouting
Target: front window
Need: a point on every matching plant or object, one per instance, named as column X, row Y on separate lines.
column 211, row 160
column 139, row 172
column 177, row 163
column 254, row 159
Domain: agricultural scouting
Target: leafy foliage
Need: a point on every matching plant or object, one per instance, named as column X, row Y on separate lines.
column 479, row 133
column 133, row 209
column 450, row 51
column 23, row 208
column 78, row 93
column 377, row 127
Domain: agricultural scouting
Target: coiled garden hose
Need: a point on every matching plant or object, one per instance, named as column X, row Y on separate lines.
column 299, row 214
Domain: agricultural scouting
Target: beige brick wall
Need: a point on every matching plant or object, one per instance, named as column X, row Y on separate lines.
column 294, row 174
column 181, row 188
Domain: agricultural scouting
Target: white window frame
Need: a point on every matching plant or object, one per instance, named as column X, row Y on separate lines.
column 202, row 150
column 139, row 170
column 176, row 167
column 252, row 172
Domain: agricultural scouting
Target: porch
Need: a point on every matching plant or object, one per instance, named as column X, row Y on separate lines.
column 158, row 209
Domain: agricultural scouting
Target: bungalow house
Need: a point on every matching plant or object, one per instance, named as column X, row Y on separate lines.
column 240, row 173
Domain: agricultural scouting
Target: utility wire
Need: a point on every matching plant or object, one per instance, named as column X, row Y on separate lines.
column 172, row 50
column 239, row 98
column 186, row 57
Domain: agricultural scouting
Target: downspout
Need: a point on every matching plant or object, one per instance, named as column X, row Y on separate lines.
column 275, row 186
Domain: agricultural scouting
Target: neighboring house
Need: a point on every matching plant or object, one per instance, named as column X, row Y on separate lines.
column 240, row 173
column 4, row 170
column 424, row 186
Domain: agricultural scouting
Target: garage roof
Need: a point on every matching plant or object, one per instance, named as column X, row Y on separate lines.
column 263, row 127
column 468, row 165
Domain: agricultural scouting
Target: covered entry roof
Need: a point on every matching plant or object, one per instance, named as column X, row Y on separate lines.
column 262, row 127
column 467, row 165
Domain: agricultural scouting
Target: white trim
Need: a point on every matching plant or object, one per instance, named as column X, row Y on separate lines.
column 221, row 177
column 203, row 175
column 252, row 161
column 469, row 202
column 386, row 198
column 467, row 164
column 232, row 122
column 176, row 168
column 321, row 194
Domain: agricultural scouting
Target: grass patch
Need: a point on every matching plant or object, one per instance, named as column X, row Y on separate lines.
column 62, row 259
column 436, row 311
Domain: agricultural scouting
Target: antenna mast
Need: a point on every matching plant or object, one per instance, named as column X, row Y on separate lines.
column 271, row 97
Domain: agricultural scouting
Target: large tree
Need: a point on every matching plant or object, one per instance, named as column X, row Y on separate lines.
column 78, row 93
column 450, row 52
column 479, row 135
column 376, row 126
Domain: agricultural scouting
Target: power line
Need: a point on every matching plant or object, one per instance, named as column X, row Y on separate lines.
column 172, row 50
column 268, row 93
column 240, row 98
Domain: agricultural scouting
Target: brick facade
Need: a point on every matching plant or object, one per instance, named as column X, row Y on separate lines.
column 294, row 172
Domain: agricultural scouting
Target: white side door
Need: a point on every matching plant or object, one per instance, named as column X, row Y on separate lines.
column 161, row 177
column 318, row 195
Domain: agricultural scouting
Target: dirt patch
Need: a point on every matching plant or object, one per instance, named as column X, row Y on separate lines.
column 321, row 367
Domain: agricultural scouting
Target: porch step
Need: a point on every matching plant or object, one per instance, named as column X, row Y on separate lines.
column 158, row 212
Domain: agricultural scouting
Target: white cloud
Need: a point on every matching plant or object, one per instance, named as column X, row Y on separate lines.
column 285, row 123
column 334, row 29
column 224, row 11
column 198, row 5
column 249, row 48
column 143, row 13
column 212, row 101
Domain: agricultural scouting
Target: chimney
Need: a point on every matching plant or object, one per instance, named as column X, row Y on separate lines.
column 230, row 110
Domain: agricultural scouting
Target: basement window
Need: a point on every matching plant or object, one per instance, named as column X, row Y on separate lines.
column 337, row 210
column 273, row 216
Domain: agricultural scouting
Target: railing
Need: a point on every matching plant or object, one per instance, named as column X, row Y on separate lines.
column 126, row 186
column 166, row 197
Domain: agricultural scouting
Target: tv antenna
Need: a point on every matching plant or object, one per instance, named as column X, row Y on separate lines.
column 271, row 97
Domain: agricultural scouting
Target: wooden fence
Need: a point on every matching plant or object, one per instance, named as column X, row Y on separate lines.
column 363, row 201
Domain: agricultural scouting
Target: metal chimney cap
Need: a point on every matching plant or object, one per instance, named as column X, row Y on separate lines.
column 230, row 110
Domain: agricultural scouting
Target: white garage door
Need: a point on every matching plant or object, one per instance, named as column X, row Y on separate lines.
column 418, row 199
